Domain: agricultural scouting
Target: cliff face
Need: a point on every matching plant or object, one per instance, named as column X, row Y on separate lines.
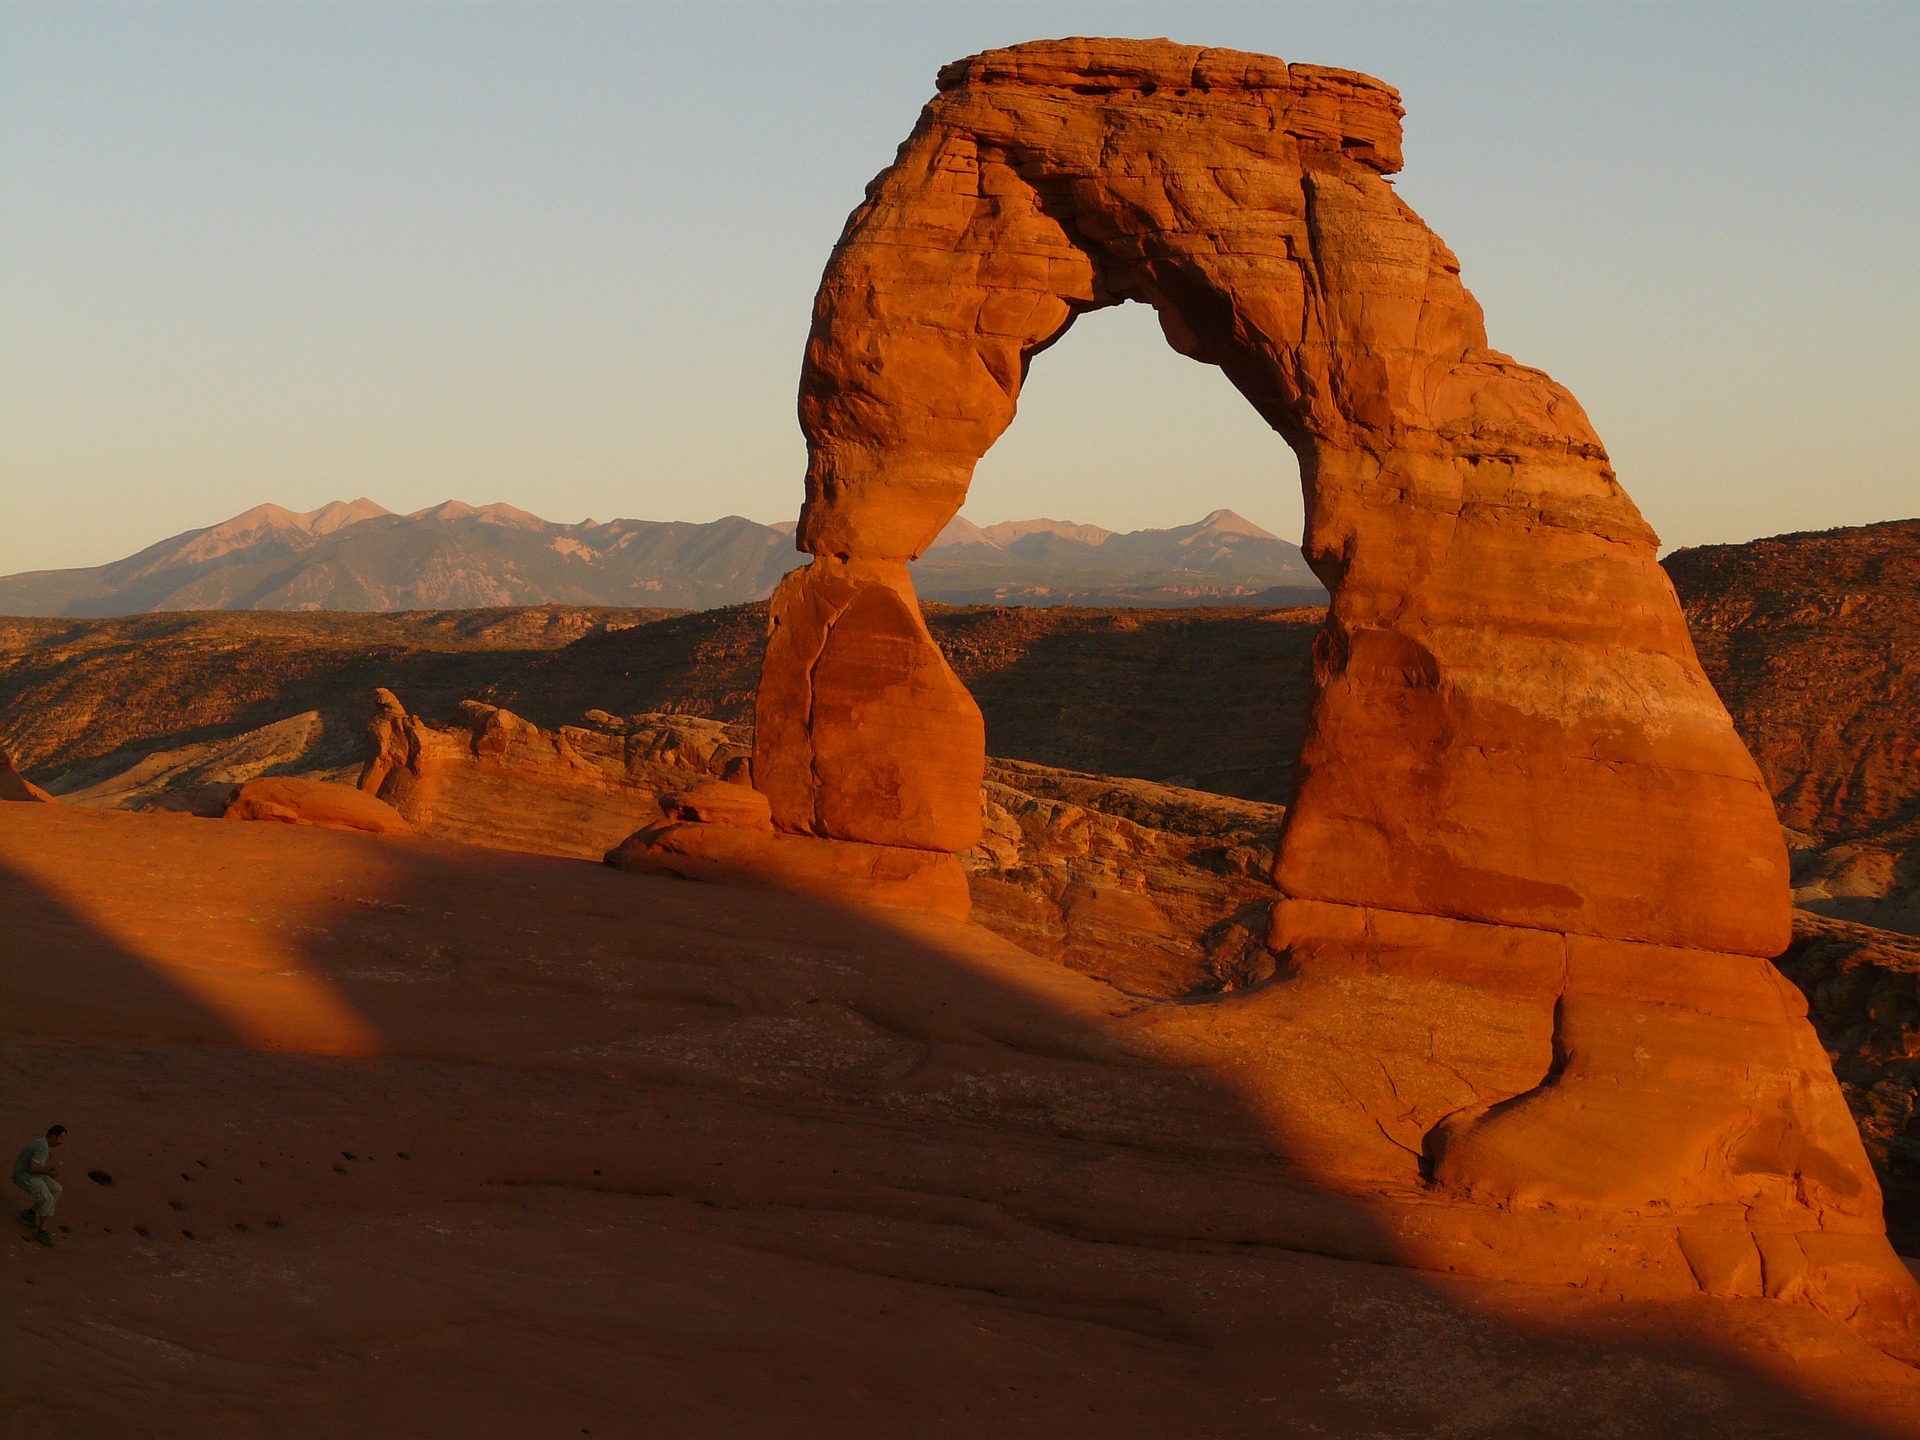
column 1157, row 889
column 1813, row 641
column 1863, row 995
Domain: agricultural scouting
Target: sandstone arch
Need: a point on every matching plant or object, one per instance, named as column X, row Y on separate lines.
column 1526, row 845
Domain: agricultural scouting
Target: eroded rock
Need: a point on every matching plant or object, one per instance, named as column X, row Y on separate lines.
column 493, row 778
column 892, row 876
column 294, row 801
column 15, row 786
column 1530, row 873
column 1156, row 889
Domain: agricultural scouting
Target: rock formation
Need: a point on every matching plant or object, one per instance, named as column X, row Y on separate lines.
column 1531, row 875
column 1863, row 992
column 291, row 800
column 724, row 831
column 495, row 779
column 1158, row 890
column 15, row 786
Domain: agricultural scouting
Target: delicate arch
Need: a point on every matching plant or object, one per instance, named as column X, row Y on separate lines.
column 1510, row 723
column 1528, row 872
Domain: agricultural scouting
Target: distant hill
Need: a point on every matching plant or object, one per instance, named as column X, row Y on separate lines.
column 359, row 556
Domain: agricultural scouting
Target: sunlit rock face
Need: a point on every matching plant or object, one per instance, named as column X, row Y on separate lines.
column 294, row 800
column 15, row 786
column 1530, row 874
column 492, row 778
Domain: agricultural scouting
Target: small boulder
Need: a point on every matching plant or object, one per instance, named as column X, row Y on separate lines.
column 720, row 802
column 293, row 801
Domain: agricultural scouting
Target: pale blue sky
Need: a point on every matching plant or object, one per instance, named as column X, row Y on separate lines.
column 562, row 255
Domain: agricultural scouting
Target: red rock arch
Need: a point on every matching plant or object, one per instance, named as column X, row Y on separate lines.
column 1526, row 848
column 1511, row 725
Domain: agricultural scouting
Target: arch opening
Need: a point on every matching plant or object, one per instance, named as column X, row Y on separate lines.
column 1118, row 432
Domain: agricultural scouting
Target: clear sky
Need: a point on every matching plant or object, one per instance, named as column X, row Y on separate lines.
column 561, row 255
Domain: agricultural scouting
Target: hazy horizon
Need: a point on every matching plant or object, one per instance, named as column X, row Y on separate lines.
column 562, row 257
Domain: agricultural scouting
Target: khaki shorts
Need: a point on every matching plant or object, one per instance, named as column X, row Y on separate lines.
column 45, row 1192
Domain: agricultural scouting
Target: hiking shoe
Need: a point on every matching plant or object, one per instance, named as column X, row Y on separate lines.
column 30, row 1218
column 44, row 1237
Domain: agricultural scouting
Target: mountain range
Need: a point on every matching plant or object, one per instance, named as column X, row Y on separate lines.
column 359, row 556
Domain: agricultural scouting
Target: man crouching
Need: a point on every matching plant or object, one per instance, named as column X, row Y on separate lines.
column 33, row 1172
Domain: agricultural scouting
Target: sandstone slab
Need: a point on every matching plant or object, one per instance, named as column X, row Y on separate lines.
column 889, row 876
column 294, row 801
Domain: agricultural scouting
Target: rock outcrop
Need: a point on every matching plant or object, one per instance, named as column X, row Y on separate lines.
column 724, row 831
column 495, row 779
column 15, row 786
column 291, row 800
column 1158, row 890
column 1863, row 991
column 1531, row 877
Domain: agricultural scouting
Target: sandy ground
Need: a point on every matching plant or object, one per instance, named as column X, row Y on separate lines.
column 412, row 1139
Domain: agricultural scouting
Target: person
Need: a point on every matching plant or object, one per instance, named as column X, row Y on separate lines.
column 33, row 1172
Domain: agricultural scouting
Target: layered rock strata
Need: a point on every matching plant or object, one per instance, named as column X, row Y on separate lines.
column 492, row 778
column 291, row 800
column 1532, row 875
column 1159, row 890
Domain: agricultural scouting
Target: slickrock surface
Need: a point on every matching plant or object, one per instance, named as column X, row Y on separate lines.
column 199, row 777
column 717, row 846
column 1814, row 642
column 1161, row 889
column 479, row 1143
column 1530, row 876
